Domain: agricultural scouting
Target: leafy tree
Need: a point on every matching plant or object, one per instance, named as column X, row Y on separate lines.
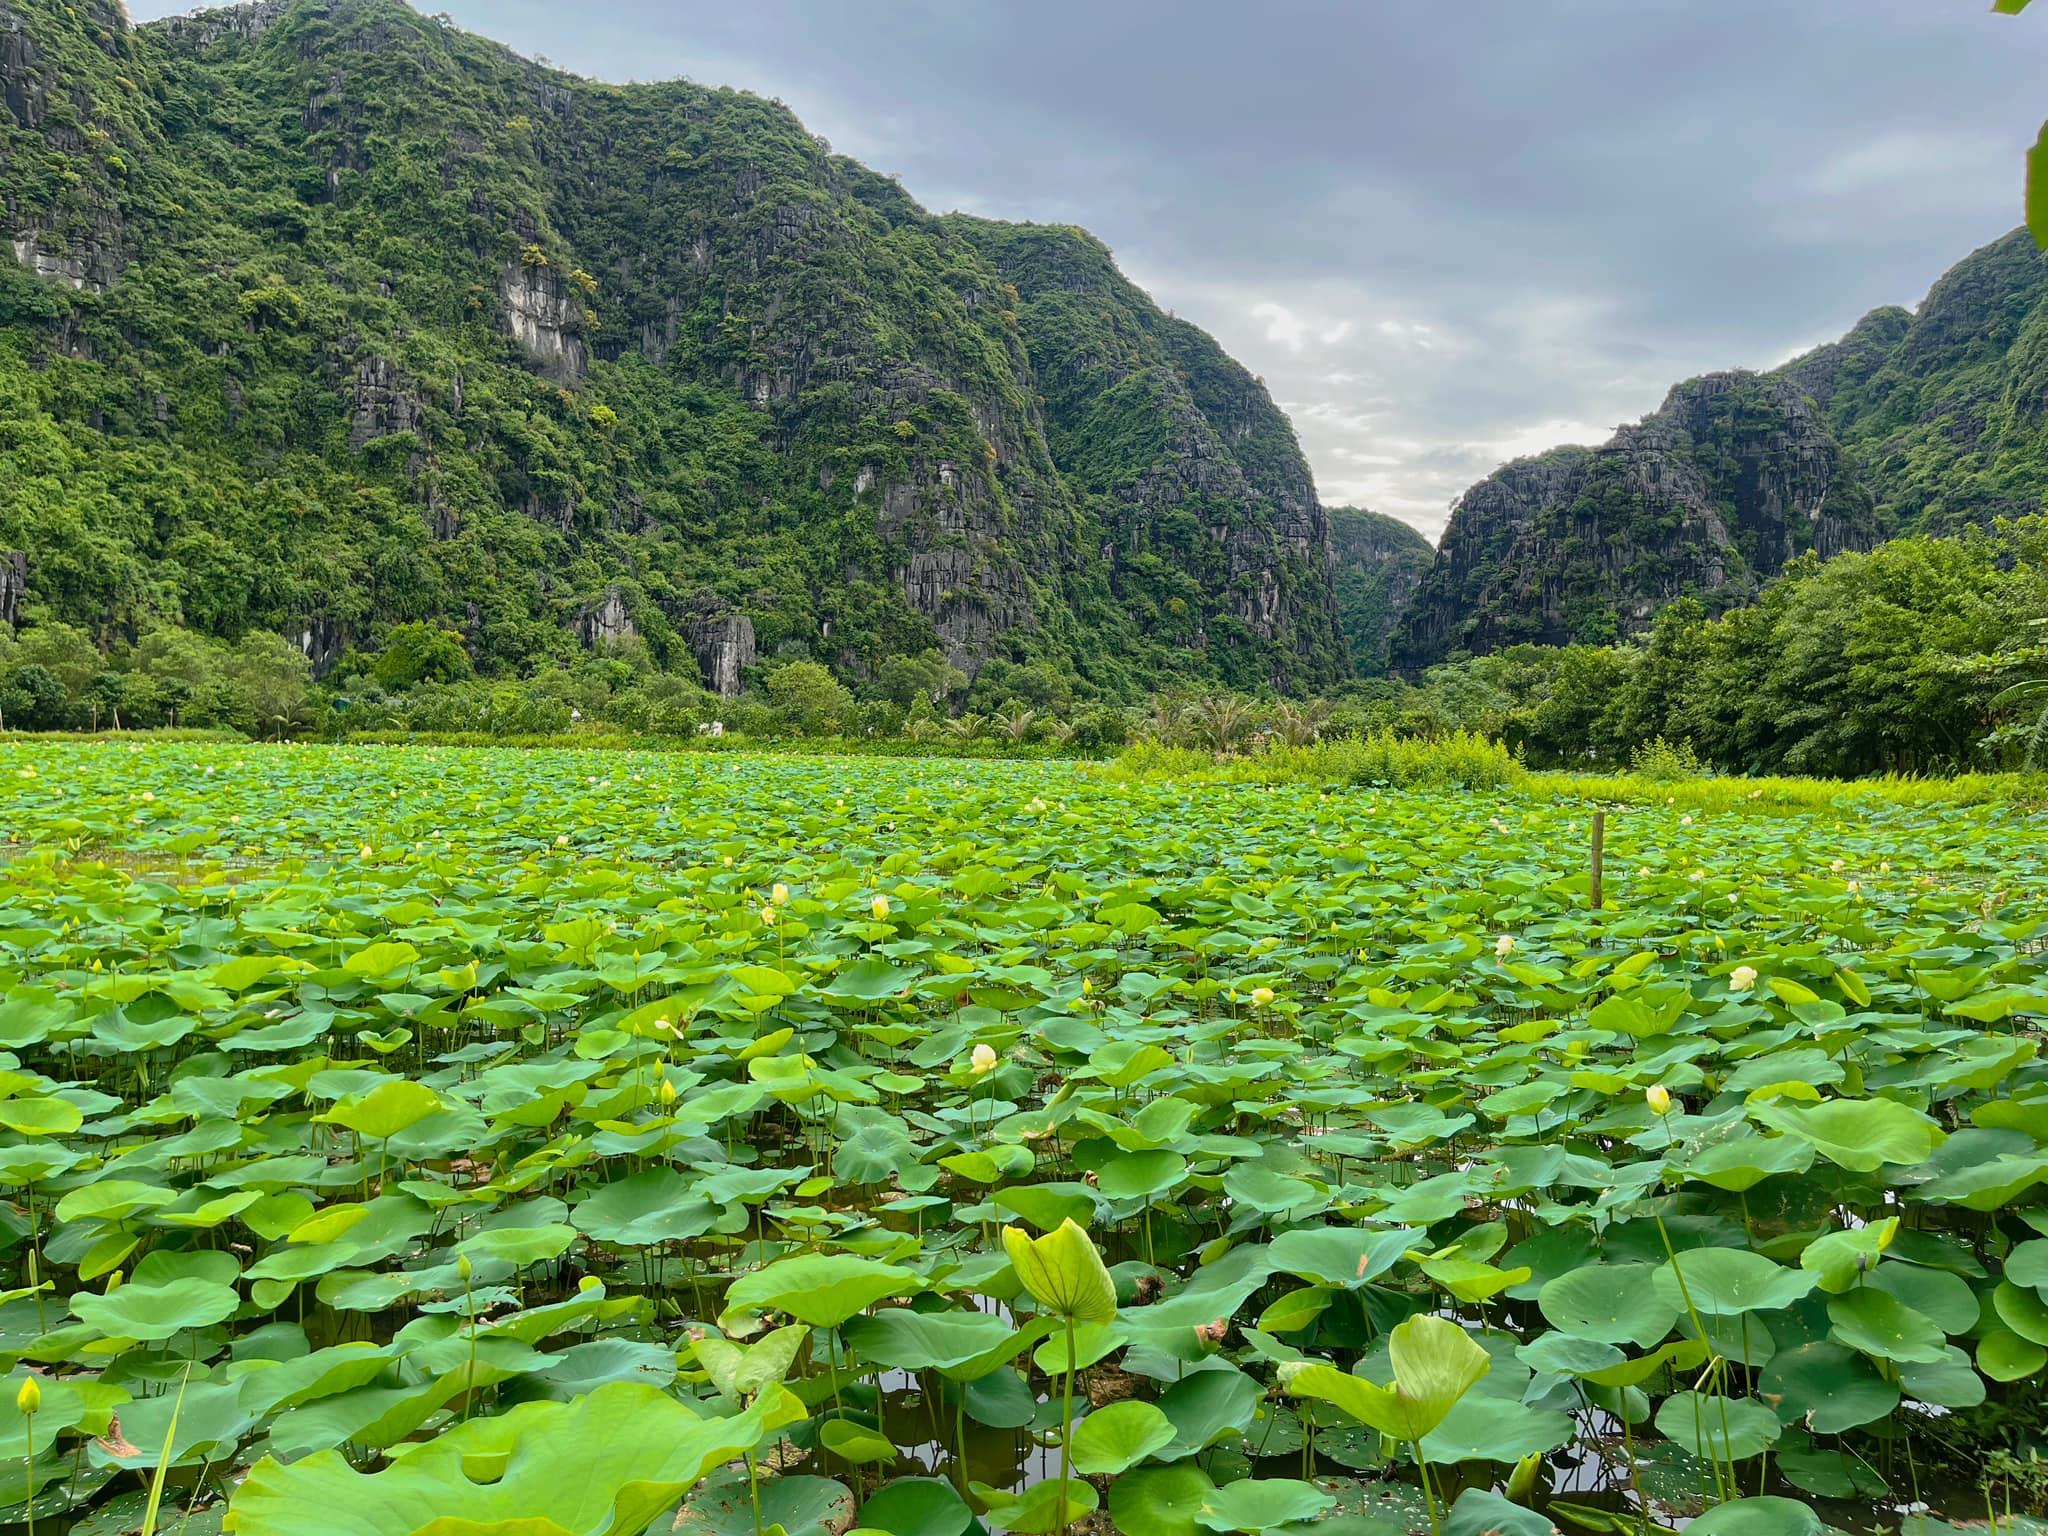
column 808, row 696
column 422, row 653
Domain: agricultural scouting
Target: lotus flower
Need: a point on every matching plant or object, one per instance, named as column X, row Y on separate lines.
column 880, row 907
column 983, row 1060
column 1658, row 1098
column 1742, row 978
column 1262, row 997
column 1504, row 946
column 779, row 895
column 30, row 1398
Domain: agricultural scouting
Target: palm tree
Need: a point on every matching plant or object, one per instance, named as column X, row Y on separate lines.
column 1300, row 724
column 964, row 727
column 1017, row 724
column 1168, row 715
column 1221, row 721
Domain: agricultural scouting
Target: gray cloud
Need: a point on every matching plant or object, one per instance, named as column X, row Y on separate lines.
column 1444, row 235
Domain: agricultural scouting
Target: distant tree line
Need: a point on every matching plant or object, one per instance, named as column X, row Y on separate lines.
column 1923, row 656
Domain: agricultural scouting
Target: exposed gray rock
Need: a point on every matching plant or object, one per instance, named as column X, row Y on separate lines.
column 724, row 647
column 546, row 319
column 1710, row 496
column 386, row 402
column 13, row 583
column 606, row 622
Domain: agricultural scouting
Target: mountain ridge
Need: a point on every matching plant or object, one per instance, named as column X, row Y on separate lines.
column 1932, row 420
column 386, row 323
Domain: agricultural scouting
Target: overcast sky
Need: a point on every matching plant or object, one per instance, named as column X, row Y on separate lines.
column 1445, row 234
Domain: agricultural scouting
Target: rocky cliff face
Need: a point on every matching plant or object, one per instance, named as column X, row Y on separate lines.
column 446, row 332
column 1736, row 475
column 1376, row 563
column 1208, row 520
column 1926, row 421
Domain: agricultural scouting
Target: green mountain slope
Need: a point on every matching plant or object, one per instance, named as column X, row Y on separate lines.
column 326, row 316
column 1924, row 422
column 1376, row 562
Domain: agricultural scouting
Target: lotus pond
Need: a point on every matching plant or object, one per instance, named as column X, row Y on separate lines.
column 414, row 1143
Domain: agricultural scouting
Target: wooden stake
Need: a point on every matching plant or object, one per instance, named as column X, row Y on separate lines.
column 1599, row 853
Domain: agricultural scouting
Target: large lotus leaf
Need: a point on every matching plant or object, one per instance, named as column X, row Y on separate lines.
column 1946, row 1298
column 1727, row 1282
column 1610, row 1304
column 962, row 1343
column 1140, row 1175
column 1767, row 1516
column 1482, row 1512
column 1206, row 1407
column 917, row 1506
column 1482, row 1427
column 1861, row 1135
column 1063, row 1272
column 1114, row 1439
column 1045, row 1206
column 150, row 1312
column 1041, row 1508
column 1260, row 1503
column 41, row 1117
column 1947, row 1383
column 1344, row 1257
column 386, row 1109
column 1160, row 1501
column 745, row 1370
column 1839, row 1257
column 604, row 1465
column 1883, row 1327
column 822, row 1289
column 1435, row 1363
column 588, row 1366
column 1827, row 1387
column 799, row 1505
column 1717, row 1428
column 658, row 1205
column 210, row 1419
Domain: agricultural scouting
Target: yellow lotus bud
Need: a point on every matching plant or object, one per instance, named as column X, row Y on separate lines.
column 464, row 1268
column 780, row 895
column 30, row 1398
column 983, row 1061
column 1659, row 1098
column 880, row 907
column 668, row 1091
column 767, row 917
column 1262, row 997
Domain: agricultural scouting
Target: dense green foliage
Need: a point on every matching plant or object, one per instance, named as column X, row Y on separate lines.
column 1376, row 562
column 349, row 321
column 1899, row 659
column 403, row 1141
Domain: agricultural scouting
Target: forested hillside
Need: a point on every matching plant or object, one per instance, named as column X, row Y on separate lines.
column 1925, row 422
column 327, row 318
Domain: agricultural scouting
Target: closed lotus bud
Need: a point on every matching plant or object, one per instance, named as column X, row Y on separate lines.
column 880, row 907
column 1659, row 1099
column 1262, row 997
column 30, row 1398
column 464, row 1268
column 1504, row 945
column 780, row 895
column 983, row 1060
